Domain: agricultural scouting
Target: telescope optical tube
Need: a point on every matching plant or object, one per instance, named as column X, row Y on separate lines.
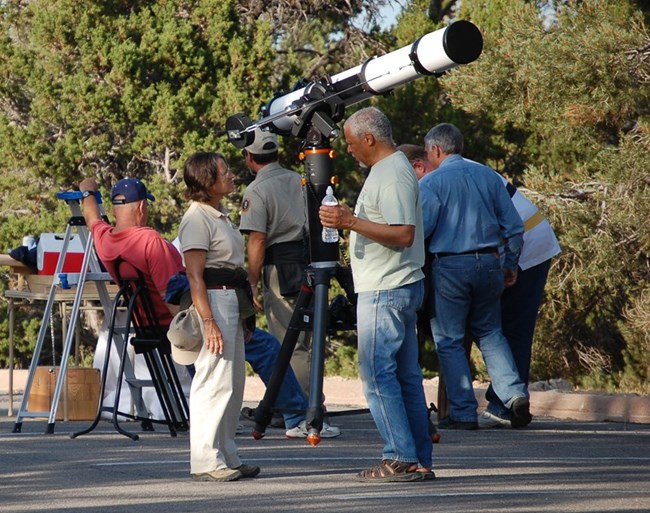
column 434, row 53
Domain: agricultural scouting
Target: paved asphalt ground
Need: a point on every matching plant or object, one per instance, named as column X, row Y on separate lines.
column 558, row 466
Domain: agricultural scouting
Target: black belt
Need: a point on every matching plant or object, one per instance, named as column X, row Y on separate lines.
column 293, row 252
column 221, row 287
column 482, row 251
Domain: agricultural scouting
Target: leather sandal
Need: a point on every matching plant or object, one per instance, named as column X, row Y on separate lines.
column 427, row 473
column 391, row 471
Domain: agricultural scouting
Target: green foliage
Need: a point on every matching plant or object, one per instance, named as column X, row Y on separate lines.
column 28, row 207
column 634, row 328
column 429, row 360
column 603, row 267
column 116, row 90
column 342, row 363
column 477, row 365
column 565, row 110
column 110, row 89
column 554, row 96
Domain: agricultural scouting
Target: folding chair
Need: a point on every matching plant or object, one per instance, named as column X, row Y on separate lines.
column 151, row 341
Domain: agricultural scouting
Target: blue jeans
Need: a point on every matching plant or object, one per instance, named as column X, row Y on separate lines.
column 391, row 375
column 262, row 352
column 467, row 291
column 519, row 307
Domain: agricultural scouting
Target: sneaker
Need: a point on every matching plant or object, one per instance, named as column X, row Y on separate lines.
column 329, row 431
column 520, row 412
column 221, row 475
column 487, row 420
column 240, row 429
column 300, row 431
column 449, row 423
column 248, row 413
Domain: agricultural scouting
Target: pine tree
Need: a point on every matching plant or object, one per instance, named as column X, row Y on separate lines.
column 123, row 87
column 560, row 104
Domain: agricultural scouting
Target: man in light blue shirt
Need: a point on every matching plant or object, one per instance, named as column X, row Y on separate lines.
column 468, row 214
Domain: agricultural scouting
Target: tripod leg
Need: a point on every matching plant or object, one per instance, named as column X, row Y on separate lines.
column 264, row 410
column 315, row 409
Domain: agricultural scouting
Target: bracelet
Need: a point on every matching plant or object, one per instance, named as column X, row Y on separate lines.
column 206, row 319
column 355, row 219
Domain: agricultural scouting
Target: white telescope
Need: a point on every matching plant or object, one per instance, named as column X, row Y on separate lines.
column 432, row 54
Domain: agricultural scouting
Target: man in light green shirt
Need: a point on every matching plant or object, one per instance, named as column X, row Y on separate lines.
column 387, row 254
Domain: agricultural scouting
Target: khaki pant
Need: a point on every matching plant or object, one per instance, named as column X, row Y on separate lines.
column 278, row 310
column 217, row 391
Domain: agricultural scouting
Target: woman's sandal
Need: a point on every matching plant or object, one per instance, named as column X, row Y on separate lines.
column 391, row 471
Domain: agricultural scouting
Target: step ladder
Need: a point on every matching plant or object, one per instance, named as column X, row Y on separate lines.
column 91, row 271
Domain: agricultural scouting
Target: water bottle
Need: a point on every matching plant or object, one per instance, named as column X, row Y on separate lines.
column 330, row 234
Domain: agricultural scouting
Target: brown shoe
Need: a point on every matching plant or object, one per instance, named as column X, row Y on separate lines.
column 220, row 475
column 391, row 471
column 427, row 473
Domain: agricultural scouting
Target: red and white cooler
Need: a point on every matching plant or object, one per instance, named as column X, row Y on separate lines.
column 49, row 249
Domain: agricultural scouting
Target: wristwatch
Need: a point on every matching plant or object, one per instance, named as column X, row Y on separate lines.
column 85, row 194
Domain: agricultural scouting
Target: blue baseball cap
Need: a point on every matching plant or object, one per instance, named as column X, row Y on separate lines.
column 132, row 189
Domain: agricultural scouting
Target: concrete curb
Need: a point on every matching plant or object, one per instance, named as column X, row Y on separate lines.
column 582, row 406
column 341, row 392
column 595, row 407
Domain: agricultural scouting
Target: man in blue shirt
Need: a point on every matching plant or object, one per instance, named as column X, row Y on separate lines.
column 468, row 214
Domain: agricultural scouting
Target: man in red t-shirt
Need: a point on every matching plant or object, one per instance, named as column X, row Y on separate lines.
column 132, row 240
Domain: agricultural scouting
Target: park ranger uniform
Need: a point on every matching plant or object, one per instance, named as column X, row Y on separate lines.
column 273, row 204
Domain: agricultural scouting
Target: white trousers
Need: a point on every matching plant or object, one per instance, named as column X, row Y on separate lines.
column 217, row 391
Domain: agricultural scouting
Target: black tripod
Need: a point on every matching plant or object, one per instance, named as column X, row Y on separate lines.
column 316, row 126
column 310, row 313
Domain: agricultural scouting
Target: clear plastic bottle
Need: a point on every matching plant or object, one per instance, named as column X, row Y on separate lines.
column 330, row 234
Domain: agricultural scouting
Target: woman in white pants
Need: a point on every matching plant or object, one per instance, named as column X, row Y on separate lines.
column 213, row 250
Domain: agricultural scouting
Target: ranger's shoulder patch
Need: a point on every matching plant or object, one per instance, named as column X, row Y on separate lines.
column 245, row 205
